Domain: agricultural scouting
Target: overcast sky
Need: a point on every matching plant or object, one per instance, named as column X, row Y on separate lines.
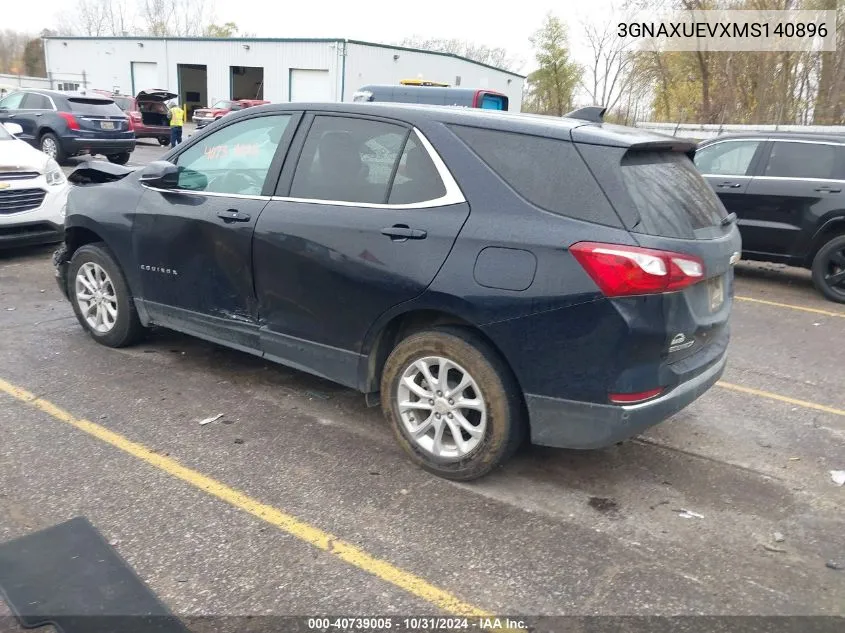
column 387, row 21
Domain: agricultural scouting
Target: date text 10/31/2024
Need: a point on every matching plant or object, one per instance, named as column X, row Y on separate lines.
column 326, row 624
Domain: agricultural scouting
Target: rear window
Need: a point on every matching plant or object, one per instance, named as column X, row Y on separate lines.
column 94, row 107
column 549, row 173
column 669, row 193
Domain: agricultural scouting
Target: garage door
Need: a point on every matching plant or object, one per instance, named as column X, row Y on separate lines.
column 310, row 85
column 144, row 75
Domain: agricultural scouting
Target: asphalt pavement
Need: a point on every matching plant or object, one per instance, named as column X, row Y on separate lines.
column 298, row 501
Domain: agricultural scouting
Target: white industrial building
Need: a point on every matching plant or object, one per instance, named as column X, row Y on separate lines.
column 203, row 70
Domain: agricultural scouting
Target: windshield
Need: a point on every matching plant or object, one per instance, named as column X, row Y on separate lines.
column 223, row 105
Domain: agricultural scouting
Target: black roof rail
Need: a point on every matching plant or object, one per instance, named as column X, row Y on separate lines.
column 589, row 113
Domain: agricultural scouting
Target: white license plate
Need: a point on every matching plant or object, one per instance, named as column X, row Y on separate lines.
column 107, row 125
column 716, row 293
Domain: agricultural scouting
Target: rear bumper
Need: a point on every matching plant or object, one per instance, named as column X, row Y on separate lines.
column 75, row 145
column 584, row 425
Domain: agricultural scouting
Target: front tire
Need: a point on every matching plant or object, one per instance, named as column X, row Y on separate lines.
column 50, row 145
column 454, row 405
column 100, row 297
column 119, row 159
column 829, row 269
column 164, row 141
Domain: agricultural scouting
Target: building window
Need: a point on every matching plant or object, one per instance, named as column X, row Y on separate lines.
column 67, row 86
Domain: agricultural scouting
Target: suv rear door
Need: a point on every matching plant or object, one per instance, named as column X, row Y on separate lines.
column 800, row 182
column 365, row 215
column 32, row 110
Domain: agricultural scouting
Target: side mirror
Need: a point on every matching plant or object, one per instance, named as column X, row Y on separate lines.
column 160, row 174
column 13, row 128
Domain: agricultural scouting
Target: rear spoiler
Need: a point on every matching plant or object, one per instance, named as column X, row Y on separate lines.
column 93, row 172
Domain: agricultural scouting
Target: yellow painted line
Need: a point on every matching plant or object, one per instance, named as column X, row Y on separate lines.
column 791, row 306
column 780, row 398
column 346, row 552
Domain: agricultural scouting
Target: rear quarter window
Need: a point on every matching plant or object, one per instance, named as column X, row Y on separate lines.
column 548, row 173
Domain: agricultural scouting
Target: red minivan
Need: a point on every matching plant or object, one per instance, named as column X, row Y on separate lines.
column 148, row 112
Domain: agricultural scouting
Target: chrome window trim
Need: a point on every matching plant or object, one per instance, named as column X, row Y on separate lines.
column 453, row 194
column 802, row 178
column 209, row 194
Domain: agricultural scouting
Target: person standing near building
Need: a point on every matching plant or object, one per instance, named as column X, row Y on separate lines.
column 177, row 119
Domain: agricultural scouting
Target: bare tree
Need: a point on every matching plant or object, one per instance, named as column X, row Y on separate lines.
column 493, row 56
column 12, row 45
column 180, row 18
column 610, row 70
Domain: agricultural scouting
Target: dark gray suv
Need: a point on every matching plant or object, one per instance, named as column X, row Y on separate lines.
column 63, row 124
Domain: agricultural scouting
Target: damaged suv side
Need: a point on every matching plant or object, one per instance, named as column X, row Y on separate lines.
column 486, row 276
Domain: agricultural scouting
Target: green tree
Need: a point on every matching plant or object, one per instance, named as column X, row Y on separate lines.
column 33, row 58
column 551, row 87
column 230, row 29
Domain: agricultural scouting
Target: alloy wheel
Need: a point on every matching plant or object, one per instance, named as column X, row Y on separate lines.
column 441, row 407
column 48, row 146
column 834, row 271
column 96, row 297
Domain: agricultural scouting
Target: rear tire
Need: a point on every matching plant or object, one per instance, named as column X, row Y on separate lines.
column 491, row 426
column 119, row 159
column 96, row 282
column 829, row 269
column 49, row 144
column 164, row 140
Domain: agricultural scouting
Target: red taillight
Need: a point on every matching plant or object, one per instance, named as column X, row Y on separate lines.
column 632, row 398
column 630, row 270
column 71, row 121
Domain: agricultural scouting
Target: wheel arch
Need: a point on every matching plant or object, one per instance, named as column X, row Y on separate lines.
column 830, row 229
column 383, row 338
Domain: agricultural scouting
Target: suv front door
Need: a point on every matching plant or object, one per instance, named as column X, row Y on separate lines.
column 795, row 189
column 194, row 243
column 363, row 221
column 33, row 107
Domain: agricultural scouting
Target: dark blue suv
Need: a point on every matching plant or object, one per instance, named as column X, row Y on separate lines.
column 64, row 124
column 486, row 275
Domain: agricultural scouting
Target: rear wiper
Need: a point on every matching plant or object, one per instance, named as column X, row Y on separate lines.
column 730, row 218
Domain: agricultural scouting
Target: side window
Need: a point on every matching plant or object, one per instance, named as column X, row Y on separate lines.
column 416, row 178
column 34, row 101
column 801, row 160
column 13, row 101
column 348, row 160
column 730, row 158
column 234, row 159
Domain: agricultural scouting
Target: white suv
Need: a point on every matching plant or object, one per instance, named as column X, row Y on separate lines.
column 33, row 193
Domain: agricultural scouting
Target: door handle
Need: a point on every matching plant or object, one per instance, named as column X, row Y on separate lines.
column 828, row 189
column 233, row 215
column 402, row 232
column 729, row 185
